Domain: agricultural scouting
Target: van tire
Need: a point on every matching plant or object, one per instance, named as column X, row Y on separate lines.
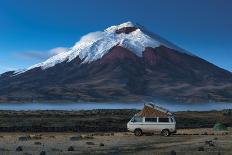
column 165, row 132
column 138, row 132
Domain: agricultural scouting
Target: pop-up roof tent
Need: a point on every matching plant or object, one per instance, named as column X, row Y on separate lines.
column 151, row 110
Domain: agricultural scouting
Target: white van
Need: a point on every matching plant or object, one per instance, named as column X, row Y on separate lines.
column 164, row 125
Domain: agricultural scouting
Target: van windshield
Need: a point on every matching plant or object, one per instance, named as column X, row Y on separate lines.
column 137, row 119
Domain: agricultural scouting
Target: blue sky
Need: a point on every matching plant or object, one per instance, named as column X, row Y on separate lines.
column 31, row 30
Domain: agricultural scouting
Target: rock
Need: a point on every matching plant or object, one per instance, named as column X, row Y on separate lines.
column 42, row 153
column 19, row 148
column 101, row 144
column 24, row 138
column 71, row 148
column 75, row 138
column 37, row 136
column 173, row 152
column 90, row 143
column 38, row 143
column 201, row 148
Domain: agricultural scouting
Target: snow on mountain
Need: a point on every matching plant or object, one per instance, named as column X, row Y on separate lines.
column 94, row 45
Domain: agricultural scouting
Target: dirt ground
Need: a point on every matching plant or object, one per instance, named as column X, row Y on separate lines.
column 185, row 142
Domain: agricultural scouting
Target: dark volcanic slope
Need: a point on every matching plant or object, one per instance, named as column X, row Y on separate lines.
column 122, row 76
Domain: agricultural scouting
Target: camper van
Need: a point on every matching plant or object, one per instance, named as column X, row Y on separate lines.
column 152, row 119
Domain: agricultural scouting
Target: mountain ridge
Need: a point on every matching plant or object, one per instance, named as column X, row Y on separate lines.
column 96, row 44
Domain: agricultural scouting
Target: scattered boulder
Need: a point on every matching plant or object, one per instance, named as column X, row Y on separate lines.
column 19, row 148
column 36, row 137
column 101, row 144
column 201, row 148
column 210, row 143
column 87, row 137
column 90, row 143
column 24, row 138
column 42, row 153
column 71, row 148
column 75, row 138
column 173, row 152
column 38, row 143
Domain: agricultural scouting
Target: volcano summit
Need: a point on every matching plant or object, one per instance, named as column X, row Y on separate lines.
column 122, row 63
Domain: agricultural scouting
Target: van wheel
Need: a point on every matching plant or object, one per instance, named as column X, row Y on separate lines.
column 165, row 132
column 138, row 132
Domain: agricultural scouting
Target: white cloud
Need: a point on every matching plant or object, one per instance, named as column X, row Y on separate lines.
column 41, row 55
column 58, row 50
column 93, row 36
column 33, row 55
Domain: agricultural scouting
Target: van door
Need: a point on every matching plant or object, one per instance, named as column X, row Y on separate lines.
column 164, row 123
column 137, row 123
column 151, row 124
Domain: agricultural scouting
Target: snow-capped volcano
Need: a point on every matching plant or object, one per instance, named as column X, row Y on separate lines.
column 122, row 63
column 95, row 45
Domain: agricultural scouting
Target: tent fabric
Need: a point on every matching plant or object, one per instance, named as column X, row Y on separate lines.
column 219, row 127
column 153, row 112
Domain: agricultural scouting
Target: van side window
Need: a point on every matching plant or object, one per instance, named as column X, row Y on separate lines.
column 150, row 119
column 164, row 119
column 137, row 119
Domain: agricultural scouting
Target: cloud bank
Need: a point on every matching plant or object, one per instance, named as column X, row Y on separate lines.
column 41, row 55
column 90, row 37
